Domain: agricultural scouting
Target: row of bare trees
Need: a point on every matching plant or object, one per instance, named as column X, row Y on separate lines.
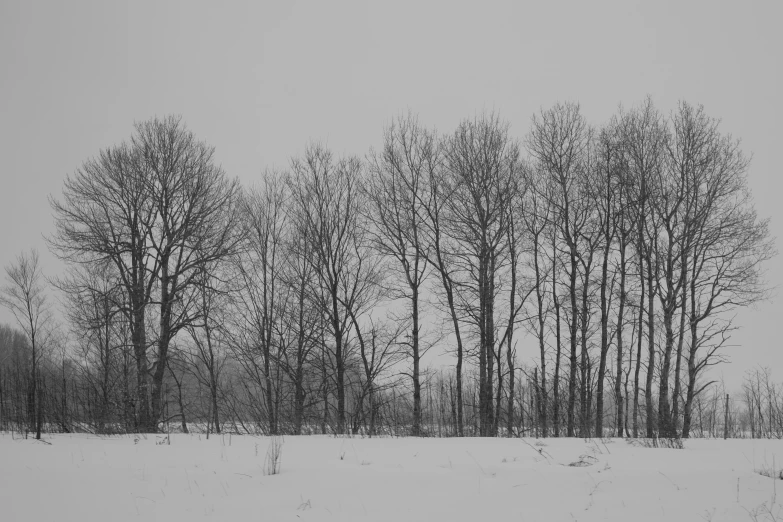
column 68, row 401
column 310, row 301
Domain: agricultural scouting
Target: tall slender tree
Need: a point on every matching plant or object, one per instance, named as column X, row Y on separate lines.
column 327, row 203
column 24, row 295
column 482, row 161
column 558, row 142
column 397, row 192
column 644, row 142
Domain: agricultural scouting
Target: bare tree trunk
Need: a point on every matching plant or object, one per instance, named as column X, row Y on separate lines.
column 690, row 393
column 458, row 368
column 142, row 373
column 675, row 415
column 558, row 346
column 489, row 333
column 608, row 234
column 541, row 331
column 498, row 390
column 570, row 432
column 584, row 406
column 37, row 419
column 651, row 424
column 324, row 392
column 483, row 349
column 373, row 408
column 180, row 400
column 618, row 391
column 510, row 403
column 638, row 349
column 726, row 419
column 510, row 333
column 165, row 336
column 416, row 355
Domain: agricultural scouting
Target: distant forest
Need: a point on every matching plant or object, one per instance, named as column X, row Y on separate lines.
column 306, row 303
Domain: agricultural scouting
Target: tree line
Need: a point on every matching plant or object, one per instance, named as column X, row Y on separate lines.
column 308, row 302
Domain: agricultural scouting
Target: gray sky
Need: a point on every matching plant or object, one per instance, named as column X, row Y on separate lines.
column 259, row 79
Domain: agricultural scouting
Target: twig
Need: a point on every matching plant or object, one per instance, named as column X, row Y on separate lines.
column 670, row 480
column 540, row 451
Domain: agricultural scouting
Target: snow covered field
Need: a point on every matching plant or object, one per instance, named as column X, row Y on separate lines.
column 88, row 478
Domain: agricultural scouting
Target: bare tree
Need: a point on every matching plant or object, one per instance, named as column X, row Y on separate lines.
column 518, row 232
column 207, row 355
column 590, row 239
column 93, row 305
column 537, row 227
column 556, row 298
column 644, row 142
column 439, row 246
column 194, row 224
column 24, row 295
column 158, row 209
column 729, row 246
column 326, row 206
column 482, row 161
column 396, row 189
column 301, row 322
column 380, row 348
column 605, row 187
column 257, row 304
column 104, row 216
column 558, row 143
column 624, row 230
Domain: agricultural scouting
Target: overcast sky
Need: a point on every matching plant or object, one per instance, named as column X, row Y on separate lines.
column 259, row 79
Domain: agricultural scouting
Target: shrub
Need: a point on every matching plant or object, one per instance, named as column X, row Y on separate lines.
column 274, row 452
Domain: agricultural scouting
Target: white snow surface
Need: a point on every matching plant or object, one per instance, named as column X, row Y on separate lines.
column 89, row 478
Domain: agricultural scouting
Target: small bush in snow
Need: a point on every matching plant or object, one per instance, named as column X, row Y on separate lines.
column 584, row 460
column 773, row 473
column 274, row 452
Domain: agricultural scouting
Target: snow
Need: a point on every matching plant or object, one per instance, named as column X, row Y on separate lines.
column 89, row 478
